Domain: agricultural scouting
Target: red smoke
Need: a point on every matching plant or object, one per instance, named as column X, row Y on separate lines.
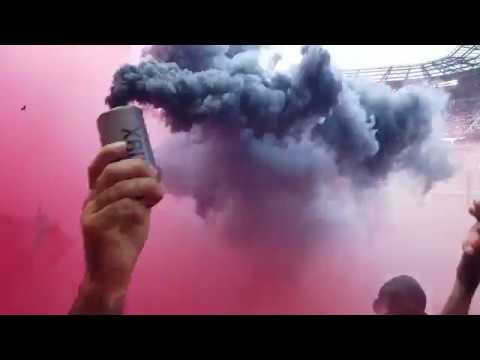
column 185, row 267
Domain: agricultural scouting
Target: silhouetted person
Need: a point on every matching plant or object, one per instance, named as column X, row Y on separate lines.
column 403, row 295
column 468, row 270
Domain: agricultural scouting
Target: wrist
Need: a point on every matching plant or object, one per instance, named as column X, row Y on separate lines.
column 105, row 288
column 468, row 276
column 97, row 298
column 460, row 290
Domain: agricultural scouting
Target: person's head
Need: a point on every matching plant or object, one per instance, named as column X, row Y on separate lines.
column 401, row 295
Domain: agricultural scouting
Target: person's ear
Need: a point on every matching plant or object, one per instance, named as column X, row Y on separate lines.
column 376, row 306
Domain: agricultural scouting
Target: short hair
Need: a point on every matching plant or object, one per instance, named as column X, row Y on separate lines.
column 403, row 295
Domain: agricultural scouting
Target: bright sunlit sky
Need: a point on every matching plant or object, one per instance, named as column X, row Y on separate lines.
column 357, row 56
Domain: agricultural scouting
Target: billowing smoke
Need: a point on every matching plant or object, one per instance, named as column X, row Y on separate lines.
column 280, row 156
column 204, row 85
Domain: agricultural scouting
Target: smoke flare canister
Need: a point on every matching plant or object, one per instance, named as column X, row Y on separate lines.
column 126, row 123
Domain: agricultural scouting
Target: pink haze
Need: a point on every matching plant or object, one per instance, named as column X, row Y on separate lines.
column 184, row 268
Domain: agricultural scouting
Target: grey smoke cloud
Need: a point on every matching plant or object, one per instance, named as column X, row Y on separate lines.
column 208, row 87
column 375, row 131
column 267, row 151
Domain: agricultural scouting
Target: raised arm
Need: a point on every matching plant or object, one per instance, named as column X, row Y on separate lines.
column 115, row 222
column 468, row 270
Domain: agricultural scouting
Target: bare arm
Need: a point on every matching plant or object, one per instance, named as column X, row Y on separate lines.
column 460, row 298
column 92, row 299
column 115, row 223
column 468, row 271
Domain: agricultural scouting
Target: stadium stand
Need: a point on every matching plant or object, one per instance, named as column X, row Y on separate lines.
column 458, row 73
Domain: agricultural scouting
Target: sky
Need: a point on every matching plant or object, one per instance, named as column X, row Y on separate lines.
column 363, row 56
column 360, row 56
column 357, row 56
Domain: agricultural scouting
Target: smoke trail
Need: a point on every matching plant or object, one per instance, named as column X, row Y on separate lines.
column 270, row 151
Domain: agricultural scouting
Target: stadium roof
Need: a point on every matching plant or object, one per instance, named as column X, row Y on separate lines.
column 462, row 59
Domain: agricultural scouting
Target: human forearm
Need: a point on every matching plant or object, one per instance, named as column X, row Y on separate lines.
column 115, row 222
column 94, row 299
column 459, row 301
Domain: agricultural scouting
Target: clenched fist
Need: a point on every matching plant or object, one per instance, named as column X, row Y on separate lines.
column 468, row 272
column 115, row 221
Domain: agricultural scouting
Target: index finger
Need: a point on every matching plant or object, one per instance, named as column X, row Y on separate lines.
column 108, row 154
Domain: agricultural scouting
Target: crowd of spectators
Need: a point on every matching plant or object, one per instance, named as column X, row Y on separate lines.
column 461, row 115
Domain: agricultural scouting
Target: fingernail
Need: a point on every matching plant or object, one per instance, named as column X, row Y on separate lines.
column 153, row 171
column 120, row 145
